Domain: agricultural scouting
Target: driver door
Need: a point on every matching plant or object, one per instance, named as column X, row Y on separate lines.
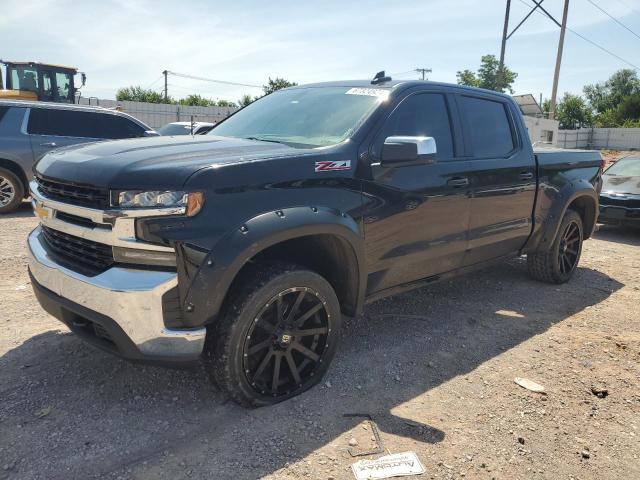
column 417, row 216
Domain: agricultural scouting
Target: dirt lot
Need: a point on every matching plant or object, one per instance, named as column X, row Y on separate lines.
column 435, row 369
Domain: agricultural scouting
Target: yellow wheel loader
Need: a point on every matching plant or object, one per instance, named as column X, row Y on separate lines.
column 39, row 81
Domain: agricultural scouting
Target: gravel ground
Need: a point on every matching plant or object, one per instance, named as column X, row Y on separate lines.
column 434, row 368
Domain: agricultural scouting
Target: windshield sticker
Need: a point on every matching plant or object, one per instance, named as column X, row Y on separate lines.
column 328, row 166
column 370, row 92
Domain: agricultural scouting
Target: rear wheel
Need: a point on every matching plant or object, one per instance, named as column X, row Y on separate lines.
column 11, row 191
column 558, row 264
column 276, row 337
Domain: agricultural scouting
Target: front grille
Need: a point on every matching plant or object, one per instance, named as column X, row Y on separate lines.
column 78, row 253
column 629, row 202
column 75, row 195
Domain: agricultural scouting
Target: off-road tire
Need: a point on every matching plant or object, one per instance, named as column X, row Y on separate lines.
column 225, row 350
column 10, row 180
column 545, row 266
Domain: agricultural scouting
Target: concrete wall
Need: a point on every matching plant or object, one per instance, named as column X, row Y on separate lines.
column 158, row 114
column 542, row 130
column 607, row 138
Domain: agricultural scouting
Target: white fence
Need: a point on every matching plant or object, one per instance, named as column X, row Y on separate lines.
column 607, row 138
column 158, row 114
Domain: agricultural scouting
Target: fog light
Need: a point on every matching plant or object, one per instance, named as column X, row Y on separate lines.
column 144, row 257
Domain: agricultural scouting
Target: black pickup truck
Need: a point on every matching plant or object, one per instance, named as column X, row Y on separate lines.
column 245, row 247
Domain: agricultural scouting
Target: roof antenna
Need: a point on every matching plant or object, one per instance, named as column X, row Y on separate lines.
column 380, row 78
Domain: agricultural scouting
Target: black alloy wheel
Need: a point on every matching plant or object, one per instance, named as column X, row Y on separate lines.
column 275, row 336
column 558, row 262
column 287, row 342
column 569, row 248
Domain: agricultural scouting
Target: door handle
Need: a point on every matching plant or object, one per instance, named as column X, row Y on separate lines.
column 48, row 144
column 525, row 176
column 458, row 182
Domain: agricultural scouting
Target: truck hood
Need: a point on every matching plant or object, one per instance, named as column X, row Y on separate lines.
column 155, row 162
column 620, row 184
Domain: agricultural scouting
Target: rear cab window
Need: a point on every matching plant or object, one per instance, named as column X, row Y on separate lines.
column 488, row 127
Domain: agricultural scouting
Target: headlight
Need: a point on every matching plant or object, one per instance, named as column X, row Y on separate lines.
column 191, row 202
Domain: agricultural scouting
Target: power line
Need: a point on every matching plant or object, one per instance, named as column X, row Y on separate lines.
column 154, row 82
column 613, row 18
column 585, row 38
column 194, row 77
column 629, row 7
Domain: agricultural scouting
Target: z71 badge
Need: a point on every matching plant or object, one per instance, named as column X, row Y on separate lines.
column 328, row 166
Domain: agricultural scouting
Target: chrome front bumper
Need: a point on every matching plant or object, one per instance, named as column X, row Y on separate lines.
column 132, row 298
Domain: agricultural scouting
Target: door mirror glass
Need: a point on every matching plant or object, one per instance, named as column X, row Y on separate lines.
column 398, row 151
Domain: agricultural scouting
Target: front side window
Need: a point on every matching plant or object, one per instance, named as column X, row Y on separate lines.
column 113, row 126
column 63, row 85
column 304, row 117
column 421, row 115
column 24, row 78
column 47, row 87
column 487, row 126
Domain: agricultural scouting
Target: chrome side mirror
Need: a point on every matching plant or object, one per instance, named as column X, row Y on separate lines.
column 398, row 151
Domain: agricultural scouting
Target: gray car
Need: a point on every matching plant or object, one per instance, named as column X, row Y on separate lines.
column 28, row 130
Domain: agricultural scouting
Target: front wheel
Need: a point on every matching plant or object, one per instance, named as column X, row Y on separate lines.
column 558, row 264
column 276, row 336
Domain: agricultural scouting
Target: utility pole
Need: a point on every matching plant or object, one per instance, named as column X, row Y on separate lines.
column 556, row 75
column 504, row 35
column 166, row 94
column 423, row 71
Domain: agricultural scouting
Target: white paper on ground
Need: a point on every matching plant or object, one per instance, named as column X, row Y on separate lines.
column 396, row 465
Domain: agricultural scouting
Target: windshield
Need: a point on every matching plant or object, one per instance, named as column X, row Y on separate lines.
column 304, row 117
column 174, row 129
column 629, row 167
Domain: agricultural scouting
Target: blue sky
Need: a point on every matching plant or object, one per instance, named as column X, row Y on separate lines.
column 129, row 42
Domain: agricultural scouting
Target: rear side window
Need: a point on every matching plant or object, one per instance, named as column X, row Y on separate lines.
column 73, row 123
column 488, row 127
column 422, row 115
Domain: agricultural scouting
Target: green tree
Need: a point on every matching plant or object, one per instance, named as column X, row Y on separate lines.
column 572, row 112
column 196, row 100
column 276, row 84
column 606, row 119
column 489, row 76
column 139, row 94
column 609, row 94
column 225, row 103
column 629, row 108
column 245, row 100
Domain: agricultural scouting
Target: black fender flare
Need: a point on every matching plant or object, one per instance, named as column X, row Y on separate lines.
column 577, row 189
column 209, row 286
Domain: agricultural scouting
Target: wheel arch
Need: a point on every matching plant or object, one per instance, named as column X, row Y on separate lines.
column 324, row 240
column 17, row 170
column 580, row 196
column 587, row 208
